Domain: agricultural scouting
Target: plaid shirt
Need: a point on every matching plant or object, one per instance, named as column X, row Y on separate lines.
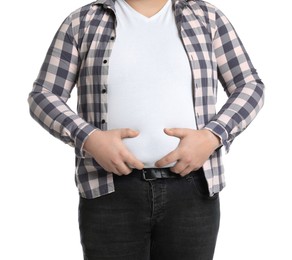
column 79, row 55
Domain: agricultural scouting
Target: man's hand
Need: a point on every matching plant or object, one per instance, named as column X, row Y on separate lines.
column 109, row 151
column 194, row 149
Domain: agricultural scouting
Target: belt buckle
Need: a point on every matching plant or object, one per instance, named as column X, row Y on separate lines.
column 145, row 178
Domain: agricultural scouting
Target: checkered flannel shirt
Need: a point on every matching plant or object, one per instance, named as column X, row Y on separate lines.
column 79, row 55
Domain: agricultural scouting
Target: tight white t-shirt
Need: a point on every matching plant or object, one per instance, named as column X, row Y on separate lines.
column 149, row 82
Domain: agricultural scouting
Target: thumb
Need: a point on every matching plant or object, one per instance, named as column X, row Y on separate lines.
column 177, row 132
column 128, row 133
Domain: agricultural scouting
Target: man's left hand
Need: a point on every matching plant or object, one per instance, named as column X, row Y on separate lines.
column 194, row 148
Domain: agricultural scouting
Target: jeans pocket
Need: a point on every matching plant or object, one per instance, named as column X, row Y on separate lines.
column 200, row 186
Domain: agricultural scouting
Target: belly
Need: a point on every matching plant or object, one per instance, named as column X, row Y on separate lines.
column 151, row 145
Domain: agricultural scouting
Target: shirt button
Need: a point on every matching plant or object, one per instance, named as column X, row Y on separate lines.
column 103, row 91
column 103, row 121
column 105, row 61
column 112, row 38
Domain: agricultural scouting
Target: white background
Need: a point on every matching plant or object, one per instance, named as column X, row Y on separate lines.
column 38, row 198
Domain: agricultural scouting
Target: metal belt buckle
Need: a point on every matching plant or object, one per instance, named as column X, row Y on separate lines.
column 145, row 178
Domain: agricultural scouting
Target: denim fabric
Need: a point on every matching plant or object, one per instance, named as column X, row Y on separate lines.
column 171, row 219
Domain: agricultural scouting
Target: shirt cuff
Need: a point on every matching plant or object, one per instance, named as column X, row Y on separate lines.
column 80, row 138
column 217, row 129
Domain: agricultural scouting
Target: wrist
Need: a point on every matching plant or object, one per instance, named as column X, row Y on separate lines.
column 213, row 138
column 90, row 142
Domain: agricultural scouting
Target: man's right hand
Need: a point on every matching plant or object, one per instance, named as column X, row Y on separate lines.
column 107, row 148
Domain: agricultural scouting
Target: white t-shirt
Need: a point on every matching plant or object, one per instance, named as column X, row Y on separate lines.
column 149, row 84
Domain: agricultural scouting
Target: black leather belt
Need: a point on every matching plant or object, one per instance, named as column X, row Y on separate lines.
column 149, row 174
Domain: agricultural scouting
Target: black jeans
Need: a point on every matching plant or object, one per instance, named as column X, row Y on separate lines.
column 163, row 219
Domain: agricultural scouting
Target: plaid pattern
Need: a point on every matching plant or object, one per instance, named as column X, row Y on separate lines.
column 79, row 56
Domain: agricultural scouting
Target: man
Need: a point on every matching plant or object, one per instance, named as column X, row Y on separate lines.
column 147, row 138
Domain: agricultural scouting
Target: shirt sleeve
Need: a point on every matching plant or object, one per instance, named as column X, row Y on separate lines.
column 240, row 81
column 52, row 88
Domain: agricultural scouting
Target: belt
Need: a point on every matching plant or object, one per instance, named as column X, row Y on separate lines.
column 149, row 174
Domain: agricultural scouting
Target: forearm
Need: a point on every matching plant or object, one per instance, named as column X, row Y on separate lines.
column 54, row 115
column 237, row 113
